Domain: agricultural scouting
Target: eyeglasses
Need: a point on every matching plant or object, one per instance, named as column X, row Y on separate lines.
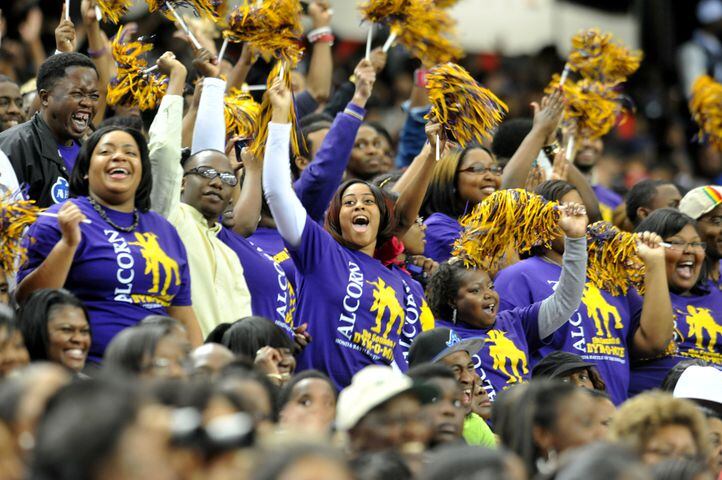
column 211, row 173
column 479, row 168
column 682, row 246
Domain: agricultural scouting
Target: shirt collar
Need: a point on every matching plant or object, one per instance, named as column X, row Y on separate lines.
column 198, row 217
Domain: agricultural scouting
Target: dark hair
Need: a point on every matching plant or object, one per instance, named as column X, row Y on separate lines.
column 467, row 462
column 554, row 190
column 509, row 136
column 538, row 406
column 670, row 381
column 78, row 182
column 163, row 321
column 386, row 181
column 216, row 335
column 678, row 469
column 387, row 223
column 130, row 121
column 248, row 335
column 666, row 222
column 80, row 430
column 35, row 315
column 277, row 462
column 128, row 349
column 602, row 461
column 54, row 68
column 504, row 409
column 308, row 125
column 381, row 466
column 641, row 195
column 284, row 396
column 7, row 321
column 381, row 130
column 431, row 371
column 242, row 370
column 443, row 287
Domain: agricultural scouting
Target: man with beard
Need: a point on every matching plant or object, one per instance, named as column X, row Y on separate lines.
column 42, row 151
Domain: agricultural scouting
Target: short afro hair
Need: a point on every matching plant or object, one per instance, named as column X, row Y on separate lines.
column 509, row 136
column 55, row 67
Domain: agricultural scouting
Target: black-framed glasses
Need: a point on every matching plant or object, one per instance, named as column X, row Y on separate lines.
column 228, row 178
column 479, row 168
column 682, row 246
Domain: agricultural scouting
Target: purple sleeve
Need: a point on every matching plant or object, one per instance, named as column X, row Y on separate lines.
column 40, row 239
column 317, row 249
column 512, row 288
column 319, row 181
column 305, row 104
column 636, row 302
column 527, row 320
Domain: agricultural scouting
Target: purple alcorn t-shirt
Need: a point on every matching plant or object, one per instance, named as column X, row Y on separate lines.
column 503, row 361
column 608, row 201
column 272, row 295
column 120, row 277
column 600, row 331
column 353, row 304
column 441, row 233
column 419, row 317
column 69, row 154
column 271, row 242
column 697, row 334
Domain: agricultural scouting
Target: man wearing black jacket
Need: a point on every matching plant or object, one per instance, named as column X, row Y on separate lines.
column 43, row 150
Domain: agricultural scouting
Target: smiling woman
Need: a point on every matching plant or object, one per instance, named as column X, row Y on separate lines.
column 127, row 262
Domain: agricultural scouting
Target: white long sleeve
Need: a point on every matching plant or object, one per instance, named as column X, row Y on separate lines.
column 287, row 210
column 164, row 146
column 209, row 132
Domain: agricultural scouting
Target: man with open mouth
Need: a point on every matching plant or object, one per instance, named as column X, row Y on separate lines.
column 42, row 151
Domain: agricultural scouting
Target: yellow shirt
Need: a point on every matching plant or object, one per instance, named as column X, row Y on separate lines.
column 218, row 287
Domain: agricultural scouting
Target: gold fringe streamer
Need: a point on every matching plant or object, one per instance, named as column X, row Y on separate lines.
column 131, row 87
column 597, row 57
column 385, row 11
column 513, row 218
column 705, row 104
column 162, row 7
column 241, row 113
column 445, row 3
column 17, row 214
column 259, row 142
column 113, row 10
column 274, row 28
column 593, row 106
column 613, row 264
column 429, row 34
column 466, row 110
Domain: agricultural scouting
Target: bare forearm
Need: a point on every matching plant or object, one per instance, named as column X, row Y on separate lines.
column 248, row 207
column 176, row 82
column 187, row 317
column 238, row 74
column 189, row 121
column 656, row 325
column 52, row 273
column 320, row 71
column 412, row 190
column 591, row 202
column 517, row 170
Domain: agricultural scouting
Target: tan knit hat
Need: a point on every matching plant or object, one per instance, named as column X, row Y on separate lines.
column 701, row 200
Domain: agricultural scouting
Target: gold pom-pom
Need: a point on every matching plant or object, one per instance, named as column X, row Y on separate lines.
column 596, row 56
column 241, row 113
column 467, row 111
column 273, row 28
column 385, row 11
column 113, row 10
column 705, row 104
column 613, row 264
column 131, row 86
column 593, row 106
column 428, row 33
column 259, row 142
column 514, row 218
column 445, row 3
column 17, row 214
column 213, row 9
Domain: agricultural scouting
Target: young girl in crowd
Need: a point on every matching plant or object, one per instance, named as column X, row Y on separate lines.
column 696, row 304
column 13, row 354
column 106, row 247
column 605, row 329
column 55, row 328
column 464, row 300
column 307, row 404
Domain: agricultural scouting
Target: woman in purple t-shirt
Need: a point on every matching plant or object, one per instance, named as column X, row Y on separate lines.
column 461, row 179
column 696, row 304
column 122, row 260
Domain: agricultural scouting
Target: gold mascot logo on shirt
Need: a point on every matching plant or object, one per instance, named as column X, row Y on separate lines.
column 427, row 317
column 701, row 321
column 385, row 299
column 156, row 260
column 599, row 310
column 501, row 350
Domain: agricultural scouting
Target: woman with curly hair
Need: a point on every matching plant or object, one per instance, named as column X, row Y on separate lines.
column 659, row 427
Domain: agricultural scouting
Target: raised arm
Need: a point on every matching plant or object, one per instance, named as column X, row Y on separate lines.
column 238, row 74
column 53, row 271
column 320, row 69
column 319, row 180
column 286, row 208
column 412, row 138
column 99, row 52
column 556, row 309
column 247, row 209
column 164, row 138
column 546, row 120
column 29, row 31
column 656, row 325
column 209, row 131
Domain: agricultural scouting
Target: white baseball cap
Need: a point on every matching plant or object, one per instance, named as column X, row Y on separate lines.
column 371, row 387
column 700, row 383
column 701, row 200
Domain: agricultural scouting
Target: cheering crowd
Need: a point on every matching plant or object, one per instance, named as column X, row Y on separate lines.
column 192, row 303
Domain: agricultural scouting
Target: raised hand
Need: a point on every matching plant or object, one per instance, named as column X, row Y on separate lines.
column 573, row 220
column 87, row 10
column 65, row 35
column 320, row 13
column 206, row 63
column 433, row 132
column 560, row 168
column 280, row 97
column 548, row 115
column 365, row 78
column 168, row 63
column 30, row 29
column 69, row 218
column 649, row 248
column 378, row 59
